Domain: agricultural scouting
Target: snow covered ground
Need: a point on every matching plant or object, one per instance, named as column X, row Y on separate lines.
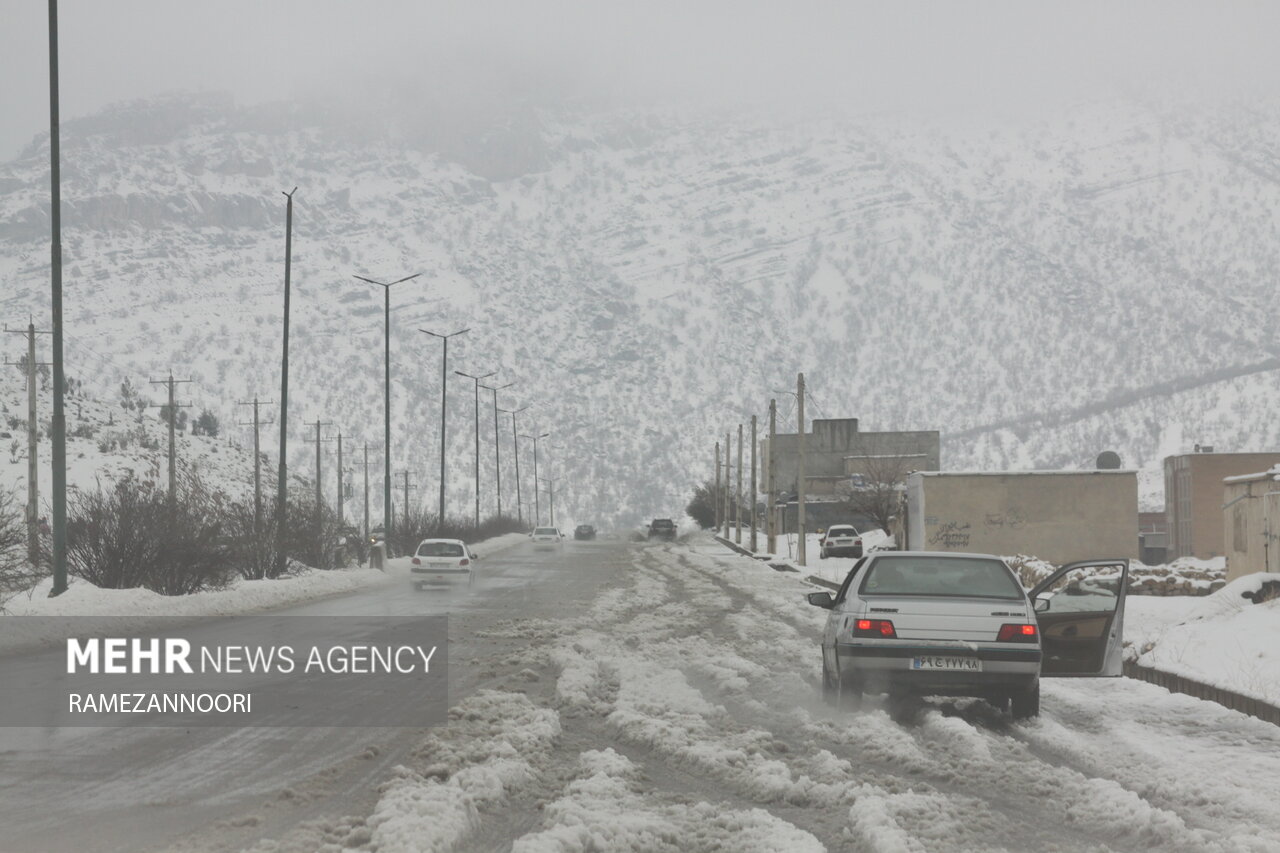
column 1224, row 640
column 681, row 712
column 132, row 610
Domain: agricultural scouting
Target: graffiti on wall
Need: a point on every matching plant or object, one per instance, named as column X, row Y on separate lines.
column 951, row 534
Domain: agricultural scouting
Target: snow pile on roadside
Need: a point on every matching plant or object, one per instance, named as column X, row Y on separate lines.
column 491, row 748
column 137, row 609
column 604, row 809
column 1224, row 640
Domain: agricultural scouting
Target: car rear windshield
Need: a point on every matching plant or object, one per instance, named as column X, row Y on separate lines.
column 545, row 531
column 439, row 549
column 663, row 522
column 842, row 531
column 940, row 576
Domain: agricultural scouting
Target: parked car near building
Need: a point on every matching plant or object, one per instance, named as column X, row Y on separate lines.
column 914, row 623
column 442, row 562
column 840, row 540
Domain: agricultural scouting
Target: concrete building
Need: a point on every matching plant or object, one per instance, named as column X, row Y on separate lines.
column 1193, row 497
column 836, row 450
column 1251, row 523
column 1059, row 516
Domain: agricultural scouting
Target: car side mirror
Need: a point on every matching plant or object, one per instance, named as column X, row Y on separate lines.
column 1042, row 604
column 821, row 599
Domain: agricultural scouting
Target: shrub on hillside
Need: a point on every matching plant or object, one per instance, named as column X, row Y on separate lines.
column 16, row 572
column 131, row 535
column 406, row 534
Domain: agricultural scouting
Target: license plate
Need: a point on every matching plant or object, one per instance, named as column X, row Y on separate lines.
column 947, row 663
column 441, row 565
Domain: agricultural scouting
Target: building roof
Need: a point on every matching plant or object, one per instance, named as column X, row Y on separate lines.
column 1273, row 473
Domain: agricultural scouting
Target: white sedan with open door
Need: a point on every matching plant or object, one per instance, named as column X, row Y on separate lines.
column 911, row 623
column 442, row 562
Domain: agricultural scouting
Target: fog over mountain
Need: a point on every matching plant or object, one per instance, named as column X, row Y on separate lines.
column 1037, row 290
column 1043, row 230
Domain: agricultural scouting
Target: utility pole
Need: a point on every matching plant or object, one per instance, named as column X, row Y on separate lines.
column 515, row 441
column 444, row 407
column 477, row 381
column 497, row 450
column 366, row 491
column 319, row 494
column 771, row 474
column 386, row 394
column 715, row 498
column 728, row 509
column 800, row 476
column 551, row 494
column 537, row 509
column 282, row 475
column 341, row 497
column 33, row 440
column 407, row 487
column 173, row 430
column 59, row 421
column 257, row 465
column 737, row 514
column 754, row 493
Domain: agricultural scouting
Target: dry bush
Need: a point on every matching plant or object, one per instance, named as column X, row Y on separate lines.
column 131, row 535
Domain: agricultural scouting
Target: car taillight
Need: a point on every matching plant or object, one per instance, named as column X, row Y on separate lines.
column 857, row 542
column 417, row 562
column 1010, row 633
column 465, row 562
column 874, row 628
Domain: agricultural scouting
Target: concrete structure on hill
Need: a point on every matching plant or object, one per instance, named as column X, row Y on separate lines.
column 1059, row 516
column 1193, row 497
column 1251, row 523
column 837, row 453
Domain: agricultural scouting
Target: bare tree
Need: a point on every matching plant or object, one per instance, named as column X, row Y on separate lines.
column 875, row 491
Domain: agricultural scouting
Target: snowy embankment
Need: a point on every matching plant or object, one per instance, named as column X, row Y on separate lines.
column 1224, row 640
column 85, row 607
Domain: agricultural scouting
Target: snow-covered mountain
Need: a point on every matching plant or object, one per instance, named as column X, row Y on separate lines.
column 1037, row 292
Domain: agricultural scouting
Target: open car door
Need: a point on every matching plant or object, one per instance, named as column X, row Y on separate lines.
column 1080, row 608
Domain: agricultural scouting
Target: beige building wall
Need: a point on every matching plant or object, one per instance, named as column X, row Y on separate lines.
column 1059, row 516
column 1193, row 498
column 1251, row 525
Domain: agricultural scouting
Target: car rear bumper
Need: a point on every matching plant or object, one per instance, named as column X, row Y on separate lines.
column 880, row 669
column 428, row 570
column 845, row 551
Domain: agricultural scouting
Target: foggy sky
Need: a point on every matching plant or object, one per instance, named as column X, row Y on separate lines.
column 998, row 58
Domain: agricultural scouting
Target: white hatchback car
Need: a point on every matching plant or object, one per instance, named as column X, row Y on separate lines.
column 547, row 538
column 924, row 623
column 442, row 561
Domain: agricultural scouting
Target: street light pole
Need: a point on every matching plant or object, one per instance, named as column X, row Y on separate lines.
column 497, row 450
column 386, row 397
column 477, row 381
column 444, row 407
column 515, row 441
column 537, row 508
column 58, row 458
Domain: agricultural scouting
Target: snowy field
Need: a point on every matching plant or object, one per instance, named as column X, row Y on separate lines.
column 681, row 712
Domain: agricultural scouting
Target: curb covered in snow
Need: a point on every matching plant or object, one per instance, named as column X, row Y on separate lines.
column 1227, row 698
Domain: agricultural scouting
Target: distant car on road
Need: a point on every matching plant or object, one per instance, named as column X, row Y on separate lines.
column 662, row 528
column 442, row 561
column 840, row 540
column 584, row 532
column 547, row 538
column 914, row 623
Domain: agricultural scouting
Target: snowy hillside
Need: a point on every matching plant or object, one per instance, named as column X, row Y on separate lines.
column 1037, row 293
